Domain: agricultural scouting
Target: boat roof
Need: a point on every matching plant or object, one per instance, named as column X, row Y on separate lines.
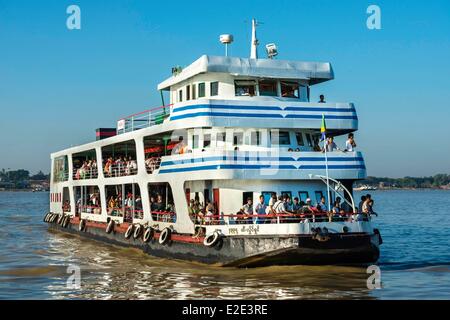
column 315, row 72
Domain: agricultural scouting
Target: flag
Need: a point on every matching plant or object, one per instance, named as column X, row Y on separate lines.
column 323, row 129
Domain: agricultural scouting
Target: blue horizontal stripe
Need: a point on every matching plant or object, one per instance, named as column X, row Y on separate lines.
column 237, row 167
column 239, row 107
column 247, row 159
column 226, row 114
column 259, row 115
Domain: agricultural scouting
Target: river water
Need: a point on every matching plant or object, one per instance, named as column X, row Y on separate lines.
column 415, row 261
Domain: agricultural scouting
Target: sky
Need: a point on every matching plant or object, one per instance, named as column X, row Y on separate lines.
column 58, row 85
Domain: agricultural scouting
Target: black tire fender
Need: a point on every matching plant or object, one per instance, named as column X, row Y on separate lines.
column 165, row 236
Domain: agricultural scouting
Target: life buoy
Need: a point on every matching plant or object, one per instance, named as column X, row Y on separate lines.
column 82, row 225
column 53, row 218
column 148, row 234
column 212, row 240
column 46, row 217
column 137, row 231
column 66, row 221
column 129, row 232
column 110, row 226
column 164, row 237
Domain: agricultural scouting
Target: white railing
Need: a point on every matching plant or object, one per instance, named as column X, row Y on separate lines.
column 84, row 174
column 143, row 119
column 116, row 171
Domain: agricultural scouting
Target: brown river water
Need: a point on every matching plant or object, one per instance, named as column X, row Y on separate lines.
column 415, row 262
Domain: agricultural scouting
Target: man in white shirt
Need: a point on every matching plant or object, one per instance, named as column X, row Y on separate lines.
column 260, row 209
column 350, row 144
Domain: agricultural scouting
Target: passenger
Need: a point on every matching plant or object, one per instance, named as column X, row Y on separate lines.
column 297, row 150
column 322, row 99
column 247, row 212
column 337, row 205
column 159, row 205
column 330, row 145
column 191, row 210
column 360, row 205
column 210, row 212
column 260, row 210
column 322, row 206
column 350, row 144
column 108, row 167
column 296, row 205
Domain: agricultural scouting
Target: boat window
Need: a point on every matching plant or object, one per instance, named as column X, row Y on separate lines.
column 280, row 138
column 290, row 89
column 207, row 140
column 286, row 194
column 201, row 90
column 267, row 88
column 299, row 137
column 180, row 96
column 195, row 141
column 194, row 92
column 85, row 165
column 162, row 205
column 120, row 159
column 303, row 195
column 220, row 139
column 188, row 92
column 246, row 196
column 238, row 138
column 255, row 138
column 87, row 199
column 309, row 140
column 61, row 169
column 267, row 196
column 124, row 201
column 245, row 87
column 319, row 195
column 66, row 201
column 214, row 88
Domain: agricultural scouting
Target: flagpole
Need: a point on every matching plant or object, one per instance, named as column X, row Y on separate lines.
column 326, row 166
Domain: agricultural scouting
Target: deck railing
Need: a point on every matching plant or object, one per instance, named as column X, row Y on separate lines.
column 236, row 219
column 143, row 119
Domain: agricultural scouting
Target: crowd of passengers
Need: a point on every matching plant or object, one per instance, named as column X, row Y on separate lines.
column 88, row 170
column 129, row 207
column 331, row 146
column 160, row 210
column 120, row 166
column 282, row 209
column 92, row 204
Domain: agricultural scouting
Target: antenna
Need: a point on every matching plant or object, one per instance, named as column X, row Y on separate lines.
column 255, row 42
column 272, row 50
column 226, row 39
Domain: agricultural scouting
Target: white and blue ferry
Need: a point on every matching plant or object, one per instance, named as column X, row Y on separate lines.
column 174, row 180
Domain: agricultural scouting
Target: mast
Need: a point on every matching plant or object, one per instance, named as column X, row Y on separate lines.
column 254, row 44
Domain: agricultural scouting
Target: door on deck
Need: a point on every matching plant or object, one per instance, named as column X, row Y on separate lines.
column 216, row 199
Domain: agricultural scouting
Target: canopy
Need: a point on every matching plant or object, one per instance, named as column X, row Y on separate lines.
column 315, row 72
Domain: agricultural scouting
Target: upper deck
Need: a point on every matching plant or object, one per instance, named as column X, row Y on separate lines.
column 238, row 92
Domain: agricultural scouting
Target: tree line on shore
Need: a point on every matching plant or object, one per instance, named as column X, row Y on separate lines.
column 436, row 181
column 20, row 179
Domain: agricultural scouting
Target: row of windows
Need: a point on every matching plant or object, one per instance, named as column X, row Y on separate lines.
column 282, row 138
column 191, row 91
column 270, row 88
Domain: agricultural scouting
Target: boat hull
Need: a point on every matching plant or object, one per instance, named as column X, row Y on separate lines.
column 245, row 251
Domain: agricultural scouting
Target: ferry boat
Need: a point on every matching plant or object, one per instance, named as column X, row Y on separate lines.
column 202, row 178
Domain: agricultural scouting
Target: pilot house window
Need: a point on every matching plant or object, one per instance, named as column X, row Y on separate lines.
column 214, row 88
column 245, row 88
column 201, row 90
column 268, row 88
column 290, row 90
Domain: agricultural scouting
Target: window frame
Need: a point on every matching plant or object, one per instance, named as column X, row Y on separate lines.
column 202, row 90
column 214, row 88
column 267, row 81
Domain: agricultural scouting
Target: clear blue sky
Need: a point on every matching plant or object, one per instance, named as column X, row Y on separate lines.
column 57, row 86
